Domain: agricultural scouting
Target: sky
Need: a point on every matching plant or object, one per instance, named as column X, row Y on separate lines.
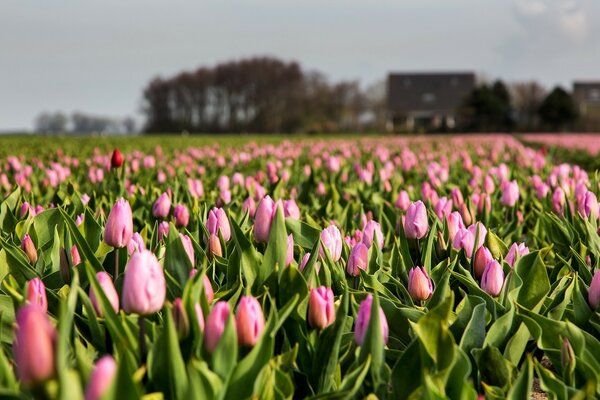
column 97, row 56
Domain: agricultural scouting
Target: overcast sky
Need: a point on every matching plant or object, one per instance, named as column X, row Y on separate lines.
column 96, row 56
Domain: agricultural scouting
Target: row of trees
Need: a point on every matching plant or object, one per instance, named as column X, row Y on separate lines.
column 260, row 95
column 522, row 106
column 81, row 123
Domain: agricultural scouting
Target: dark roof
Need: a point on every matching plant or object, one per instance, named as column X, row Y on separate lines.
column 587, row 92
column 442, row 92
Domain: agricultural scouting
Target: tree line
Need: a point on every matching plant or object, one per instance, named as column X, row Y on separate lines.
column 260, row 94
column 81, row 123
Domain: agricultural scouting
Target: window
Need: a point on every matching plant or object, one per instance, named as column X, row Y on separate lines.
column 428, row 97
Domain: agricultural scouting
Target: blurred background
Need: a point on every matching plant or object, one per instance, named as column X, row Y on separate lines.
column 283, row 66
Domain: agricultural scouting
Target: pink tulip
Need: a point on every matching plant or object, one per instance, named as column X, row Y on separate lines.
column 263, row 219
column 33, row 347
column 119, row 225
column 29, row 248
column 510, row 193
column 249, row 321
column 416, row 224
column 188, row 247
column 218, row 221
column 290, row 209
column 363, row 318
column 101, row 378
column 321, row 312
column 358, row 259
column 163, row 230
column 162, row 206
column 493, row 278
column 594, row 291
column 109, row 290
column 403, row 200
column 455, row 223
column 144, row 286
column 290, row 250
column 135, row 244
column 36, row 293
column 482, row 257
column 370, row 231
column 516, row 250
column 332, row 241
column 419, row 284
column 215, row 325
column 588, row 205
column 181, row 215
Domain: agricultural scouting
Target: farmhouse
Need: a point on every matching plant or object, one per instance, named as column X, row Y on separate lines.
column 587, row 97
column 417, row 101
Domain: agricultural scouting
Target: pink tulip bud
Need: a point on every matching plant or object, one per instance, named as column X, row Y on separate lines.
column 372, row 229
column 455, row 223
column 119, row 225
column 588, row 205
column 249, row 321
column 199, row 316
column 358, row 259
column 188, row 247
column 163, row 230
column 515, row 251
column 484, row 203
column 214, row 246
column 442, row 208
column 558, row 200
column 321, row 312
column 403, row 201
column 290, row 209
column 215, row 325
column 457, row 197
column 29, row 248
column 36, row 293
column 102, row 378
column 24, row 209
column 416, row 224
column 181, row 215
column 263, row 219
column 135, row 244
column 75, row 257
column 419, row 284
column 363, row 318
column 493, row 278
column 162, row 206
column 465, row 240
column 109, row 290
column 249, row 206
column 466, row 214
column 482, row 258
column 594, row 291
column 180, row 318
column 33, row 347
column 332, row 241
column 510, row 193
column 218, row 221
column 488, row 185
column 290, row 250
column 144, row 286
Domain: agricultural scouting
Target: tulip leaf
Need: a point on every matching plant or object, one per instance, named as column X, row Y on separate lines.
column 224, row 356
column 276, row 252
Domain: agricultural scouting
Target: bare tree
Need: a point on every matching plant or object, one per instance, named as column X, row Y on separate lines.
column 527, row 99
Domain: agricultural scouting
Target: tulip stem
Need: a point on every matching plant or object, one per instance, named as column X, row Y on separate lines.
column 142, row 324
column 116, row 275
column 418, row 253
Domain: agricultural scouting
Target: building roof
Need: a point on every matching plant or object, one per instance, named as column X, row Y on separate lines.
column 440, row 92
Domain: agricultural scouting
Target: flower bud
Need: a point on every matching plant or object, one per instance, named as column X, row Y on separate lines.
column 482, row 257
column 332, row 241
column 199, row 316
column 215, row 325
column 180, row 318
column 466, row 214
column 457, row 197
column 29, row 248
column 188, row 247
column 419, row 284
column 403, row 201
column 101, row 378
column 455, row 223
column 363, row 318
column 358, row 259
column 33, row 347
column 135, row 244
column 567, row 356
column 217, row 221
column 144, row 286
column 515, row 251
column 493, row 278
column 263, row 218
column 249, row 321
column 290, row 209
column 416, row 224
column 163, row 230
column 594, row 291
column 214, row 245
column 290, row 250
column 109, row 290
column 321, row 312
column 181, row 215
column 510, row 193
column 36, row 293
column 162, row 206
column 119, row 225
column 371, row 230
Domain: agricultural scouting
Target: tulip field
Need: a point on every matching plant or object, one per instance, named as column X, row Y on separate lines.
column 384, row 267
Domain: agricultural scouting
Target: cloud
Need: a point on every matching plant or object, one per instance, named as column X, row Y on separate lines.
column 552, row 19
